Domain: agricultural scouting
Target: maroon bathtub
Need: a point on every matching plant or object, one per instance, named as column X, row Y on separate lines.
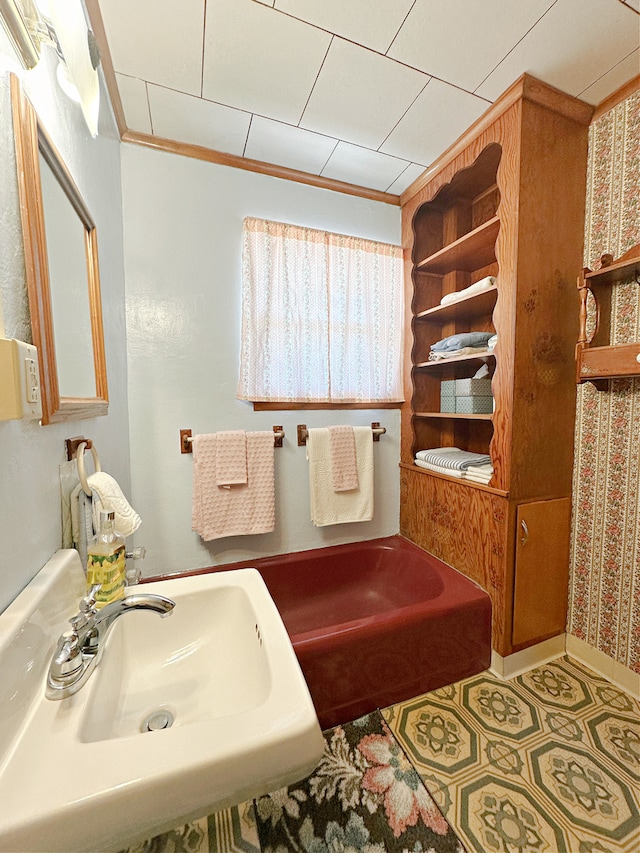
column 377, row 622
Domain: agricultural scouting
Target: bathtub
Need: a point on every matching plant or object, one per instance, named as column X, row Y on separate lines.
column 375, row 623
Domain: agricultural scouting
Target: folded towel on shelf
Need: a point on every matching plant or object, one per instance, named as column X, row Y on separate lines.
column 465, row 474
column 484, row 284
column 439, row 469
column 342, row 448
column 434, row 355
column 239, row 510
column 331, row 507
column 460, row 340
column 491, row 343
column 452, row 457
column 231, row 457
column 480, row 473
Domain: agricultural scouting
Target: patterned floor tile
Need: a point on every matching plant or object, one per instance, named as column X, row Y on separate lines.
column 545, row 763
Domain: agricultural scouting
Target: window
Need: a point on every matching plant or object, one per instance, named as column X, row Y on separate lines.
column 322, row 317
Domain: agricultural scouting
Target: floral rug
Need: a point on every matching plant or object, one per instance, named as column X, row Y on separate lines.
column 364, row 797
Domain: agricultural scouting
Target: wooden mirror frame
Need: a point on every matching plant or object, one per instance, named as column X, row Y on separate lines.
column 31, row 139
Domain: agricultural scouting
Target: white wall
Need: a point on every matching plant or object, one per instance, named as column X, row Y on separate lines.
column 30, row 521
column 183, row 221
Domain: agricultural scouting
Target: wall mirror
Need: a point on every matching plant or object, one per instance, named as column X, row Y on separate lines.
column 63, row 280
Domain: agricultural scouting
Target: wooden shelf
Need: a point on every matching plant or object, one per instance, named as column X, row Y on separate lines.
column 475, row 305
column 474, row 250
column 612, row 362
column 457, row 415
column 458, row 359
column 614, row 273
column 605, row 361
column 462, row 480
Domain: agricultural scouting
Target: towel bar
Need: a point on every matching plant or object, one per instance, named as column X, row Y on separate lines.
column 303, row 432
column 186, row 439
column 76, row 447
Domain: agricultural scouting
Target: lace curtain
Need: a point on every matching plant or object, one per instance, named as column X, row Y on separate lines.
column 322, row 317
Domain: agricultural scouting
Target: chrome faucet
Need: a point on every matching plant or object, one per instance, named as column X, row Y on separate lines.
column 79, row 650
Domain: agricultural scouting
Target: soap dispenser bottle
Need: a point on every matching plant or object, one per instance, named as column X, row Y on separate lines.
column 106, row 561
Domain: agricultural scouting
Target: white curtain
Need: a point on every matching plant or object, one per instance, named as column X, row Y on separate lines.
column 322, row 316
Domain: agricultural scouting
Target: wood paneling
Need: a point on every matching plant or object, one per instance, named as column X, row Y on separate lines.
column 542, row 570
column 467, row 528
column 531, row 204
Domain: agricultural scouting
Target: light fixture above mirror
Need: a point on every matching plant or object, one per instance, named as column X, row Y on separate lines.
column 61, row 25
column 64, row 297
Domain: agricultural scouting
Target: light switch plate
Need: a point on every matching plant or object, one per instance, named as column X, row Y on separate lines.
column 20, row 395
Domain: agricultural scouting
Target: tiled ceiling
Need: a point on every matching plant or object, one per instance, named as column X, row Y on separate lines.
column 364, row 91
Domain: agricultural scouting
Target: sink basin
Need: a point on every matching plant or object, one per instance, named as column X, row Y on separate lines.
column 182, row 715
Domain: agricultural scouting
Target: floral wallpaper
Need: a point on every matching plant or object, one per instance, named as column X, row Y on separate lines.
column 604, row 593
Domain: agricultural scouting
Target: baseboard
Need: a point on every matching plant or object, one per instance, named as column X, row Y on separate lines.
column 520, row 662
column 614, row 671
column 619, row 674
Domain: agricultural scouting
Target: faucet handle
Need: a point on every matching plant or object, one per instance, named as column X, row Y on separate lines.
column 87, row 609
column 67, row 660
column 88, row 603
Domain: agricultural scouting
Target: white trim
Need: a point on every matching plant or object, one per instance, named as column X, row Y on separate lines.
column 619, row 674
column 614, row 671
column 520, row 662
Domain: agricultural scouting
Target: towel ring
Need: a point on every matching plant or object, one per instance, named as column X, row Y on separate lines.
column 80, row 462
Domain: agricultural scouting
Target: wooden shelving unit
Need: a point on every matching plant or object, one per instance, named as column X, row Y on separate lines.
column 597, row 360
column 506, row 200
column 475, row 305
column 472, row 250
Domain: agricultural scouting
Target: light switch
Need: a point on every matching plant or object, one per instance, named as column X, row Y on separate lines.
column 19, row 381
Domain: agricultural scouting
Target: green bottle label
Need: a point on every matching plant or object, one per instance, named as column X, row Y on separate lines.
column 108, row 570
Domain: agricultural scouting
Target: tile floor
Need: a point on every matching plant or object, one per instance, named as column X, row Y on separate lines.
column 548, row 762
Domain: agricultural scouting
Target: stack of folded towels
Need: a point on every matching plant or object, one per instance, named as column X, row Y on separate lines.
column 464, row 343
column 454, row 462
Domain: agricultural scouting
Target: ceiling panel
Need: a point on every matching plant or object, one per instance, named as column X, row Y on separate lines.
column 367, row 91
column 406, row 178
column 436, row 119
column 461, row 41
column 359, row 95
column 259, row 60
column 198, row 122
column 372, row 23
column 275, row 142
column 612, row 80
column 361, row 166
column 145, row 40
column 575, row 43
column 133, row 94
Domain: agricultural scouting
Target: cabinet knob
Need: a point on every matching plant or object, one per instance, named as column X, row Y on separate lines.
column 638, row 358
column 525, row 532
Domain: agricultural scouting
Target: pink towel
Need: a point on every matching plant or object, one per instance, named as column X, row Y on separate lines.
column 231, row 457
column 342, row 449
column 239, row 510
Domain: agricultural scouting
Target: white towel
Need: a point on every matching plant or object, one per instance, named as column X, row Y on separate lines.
column 107, row 494
column 327, row 505
column 439, row 469
column 483, row 284
column 237, row 510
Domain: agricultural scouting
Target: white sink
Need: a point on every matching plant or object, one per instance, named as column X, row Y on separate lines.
column 84, row 773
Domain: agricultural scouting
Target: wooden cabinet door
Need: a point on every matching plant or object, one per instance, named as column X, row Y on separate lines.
column 541, row 570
